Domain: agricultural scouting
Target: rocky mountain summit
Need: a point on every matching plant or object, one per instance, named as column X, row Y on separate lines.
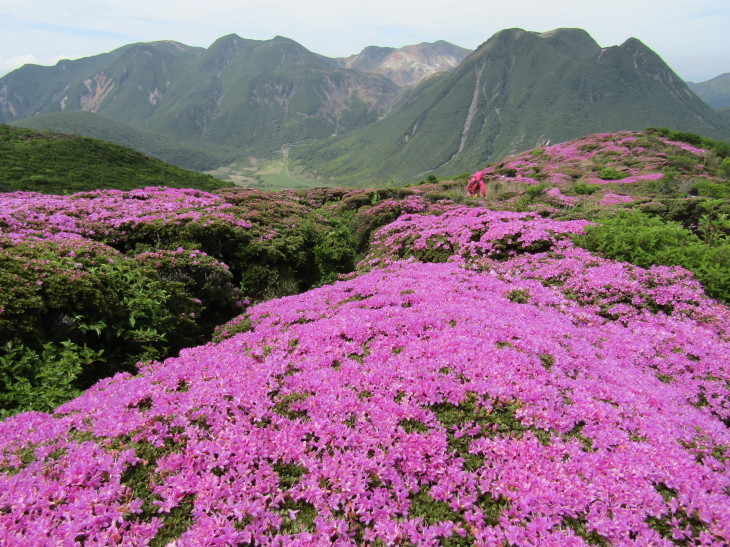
column 408, row 65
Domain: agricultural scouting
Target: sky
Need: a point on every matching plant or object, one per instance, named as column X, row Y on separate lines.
column 690, row 35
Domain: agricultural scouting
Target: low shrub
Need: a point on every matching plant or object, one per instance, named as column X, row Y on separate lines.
column 584, row 189
column 635, row 237
column 609, row 173
column 79, row 296
column 41, row 378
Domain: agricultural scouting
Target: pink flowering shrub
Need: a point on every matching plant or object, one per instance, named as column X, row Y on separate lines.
column 626, row 180
column 651, row 157
column 106, row 213
column 615, row 199
column 479, row 380
column 266, row 239
column 137, row 275
column 466, row 232
column 610, row 289
column 370, row 219
column 381, row 409
column 557, row 197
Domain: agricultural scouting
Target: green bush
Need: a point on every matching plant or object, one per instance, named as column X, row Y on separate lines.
column 111, row 302
column 62, row 298
column 668, row 184
column 202, row 292
column 682, row 163
column 713, row 190
column 584, row 189
column 609, row 173
column 687, row 212
column 335, row 253
column 724, row 169
column 632, row 236
column 536, row 190
column 41, row 379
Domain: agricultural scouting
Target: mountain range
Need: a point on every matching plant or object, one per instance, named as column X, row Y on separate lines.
column 519, row 90
column 383, row 115
column 242, row 93
column 715, row 92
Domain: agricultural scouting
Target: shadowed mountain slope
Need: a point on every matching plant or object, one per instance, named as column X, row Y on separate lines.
column 199, row 157
column 715, row 92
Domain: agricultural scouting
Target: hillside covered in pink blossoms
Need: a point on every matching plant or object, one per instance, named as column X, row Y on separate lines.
column 613, row 168
column 477, row 375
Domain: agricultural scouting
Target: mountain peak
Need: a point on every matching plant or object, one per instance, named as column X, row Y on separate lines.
column 510, row 34
column 646, row 60
column 569, row 33
column 575, row 38
column 233, row 37
column 279, row 38
column 577, row 42
column 634, row 44
column 410, row 64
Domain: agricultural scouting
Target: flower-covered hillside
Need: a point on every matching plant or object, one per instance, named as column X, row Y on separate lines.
column 614, row 168
column 539, row 395
column 91, row 283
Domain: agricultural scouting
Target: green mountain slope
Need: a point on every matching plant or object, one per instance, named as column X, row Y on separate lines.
column 715, row 92
column 133, row 75
column 240, row 98
column 518, row 90
column 198, row 157
column 55, row 163
column 238, row 92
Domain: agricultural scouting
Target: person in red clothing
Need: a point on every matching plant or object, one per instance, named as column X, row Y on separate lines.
column 476, row 186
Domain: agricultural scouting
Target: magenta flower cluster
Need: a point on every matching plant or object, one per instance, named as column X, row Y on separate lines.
column 558, row 198
column 466, row 232
column 562, row 164
column 28, row 215
column 525, row 392
column 610, row 198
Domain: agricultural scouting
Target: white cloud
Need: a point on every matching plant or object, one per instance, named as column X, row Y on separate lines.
column 8, row 63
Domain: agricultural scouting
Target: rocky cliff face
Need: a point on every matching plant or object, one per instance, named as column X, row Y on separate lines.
column 408, row 65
